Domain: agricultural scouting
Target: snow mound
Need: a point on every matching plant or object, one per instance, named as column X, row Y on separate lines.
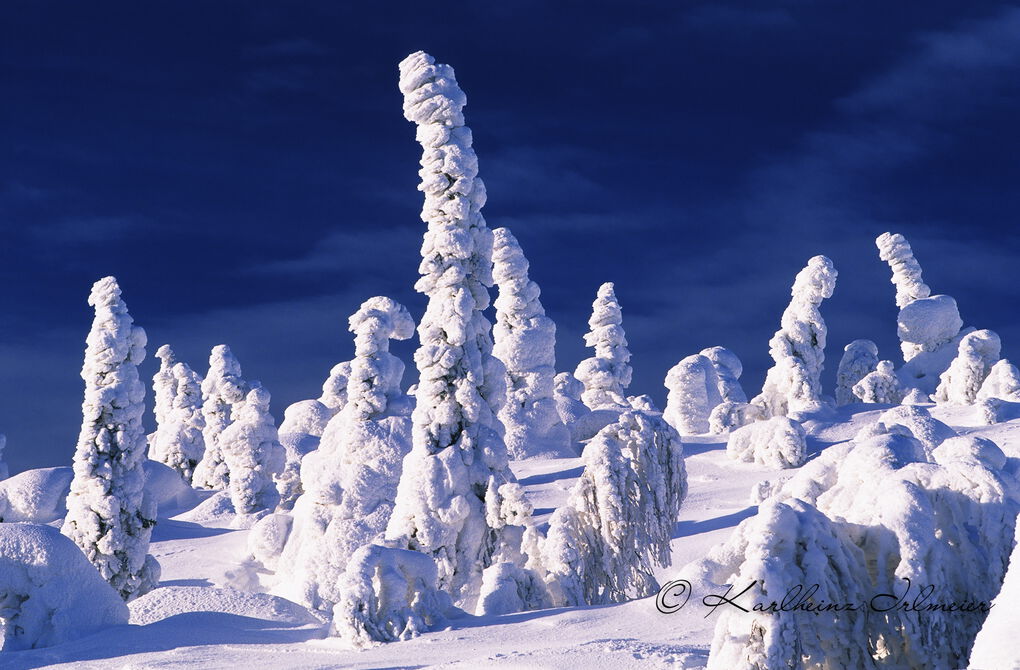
column 51, row 593
column 777, row 443
column 168, row 601
column 929, row 322
column 35, row 496
column 997, row 645
column 167, row 488
column 215, row 510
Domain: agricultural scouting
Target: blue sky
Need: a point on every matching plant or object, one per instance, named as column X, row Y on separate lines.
column 244, row 169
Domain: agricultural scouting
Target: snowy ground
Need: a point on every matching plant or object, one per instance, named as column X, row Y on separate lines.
column 192, row 625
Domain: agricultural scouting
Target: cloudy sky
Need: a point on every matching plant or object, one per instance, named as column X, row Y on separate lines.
column 244, row 169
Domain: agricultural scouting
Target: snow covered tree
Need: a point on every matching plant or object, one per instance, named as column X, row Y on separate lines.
column 906, row 271
column 223, row 393
column 606, row 375
column 728, row 369
column 334, row 389
column 798, row 347
column 458, row 458
column 618, row 519
column 693, row 393
column 978, row 352
column 253, row 455
column 1002, row 382
column 108, row 513
column 351, row 480
column 727, row 416
column 776, row 443
column 567, row 394
column 880, row 386
column 178, row 440
column 525, row 341
column 859, row 358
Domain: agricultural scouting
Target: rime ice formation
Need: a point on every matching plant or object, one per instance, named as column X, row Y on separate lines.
column 693, row 393
column 109, row 514
column 606, row 375
column 253, row 455
column 457, row 471
column 728, row 369
column 178, row 441
column 618, row 519
column 775, row 443
column 223, row 393
column 859, row 358
column 351, row 480
column 49, row 593
column 978, row 352
column 880, row 386
column 334, row 389
column 1002, row 382
column 729, row 416
column 388, row 594
column 573, row 413
column 906, row 271
column 508, row 588
column 299, row 433
column 525, row 341
column 798, row 347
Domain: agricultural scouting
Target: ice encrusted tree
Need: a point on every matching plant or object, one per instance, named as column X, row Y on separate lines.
column 693, row 393
column 880, row 386
column 895, row 250
column 607, row 374
column 109, row 514
column 778, row 442
column 334, row 389
column 525, row 341
column 351, row 480
column 798, row 347
column 449, row 500
column 728, row 369
column 978, row 352
column 859, row 358
column 1002, row 382
column 253, row 455
column 223, row 393
column 618, row 519
column 178, row 440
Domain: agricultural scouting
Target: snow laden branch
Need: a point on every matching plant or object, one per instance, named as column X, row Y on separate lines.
column 798, row 347
column 607, row 374
column 525, row 341
column 458, row 462
column 108, row 513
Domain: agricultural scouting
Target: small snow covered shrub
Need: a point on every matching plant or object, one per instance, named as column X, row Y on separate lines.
column 223, row 393
column 798, row 347
column 268, row 537
column 525, row 341
column 508, row 588
column 607, row 374
column 693, row 393
column 776, row 443
column 1002, row 382
column 109, row 514
column 49, row 593
column 880, row 386
column 178, row 440
column 859, row 358
column 729, row 416
column 387, row 595
column 978, row 352
column 618, row 519
column 728, row 369
column 253, row 455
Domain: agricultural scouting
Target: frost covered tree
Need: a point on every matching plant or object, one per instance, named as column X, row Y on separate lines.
column 351, row 480
column 525, row 341
column 334, row 389
column 567, row 394
column 109, row 514
column 978, row 352
column 798, row 347
column 606, row 375
column 776, row 443
column 618, row 520
column 880, row 386
column 906, row 271
column 449, row 501
column 223, row 393
column 728, row 369
column 859, row 358
column 253, row 455
column 1002, row 382
column 693, row 393
column 178, row 440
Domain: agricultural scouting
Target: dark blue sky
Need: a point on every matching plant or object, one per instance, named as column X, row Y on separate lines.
column 244, row 169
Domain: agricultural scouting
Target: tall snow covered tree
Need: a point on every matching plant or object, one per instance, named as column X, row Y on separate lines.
column 449, row 499
column 895, row 250
column 859, row 358
column 178, row 440
column 223, row 393
column 728, row 368
column 693, row 393
column 798, row 347
column 108, row 513
column 351, row 480
column 525, row 341
column 253, row 455
column 606, row 375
